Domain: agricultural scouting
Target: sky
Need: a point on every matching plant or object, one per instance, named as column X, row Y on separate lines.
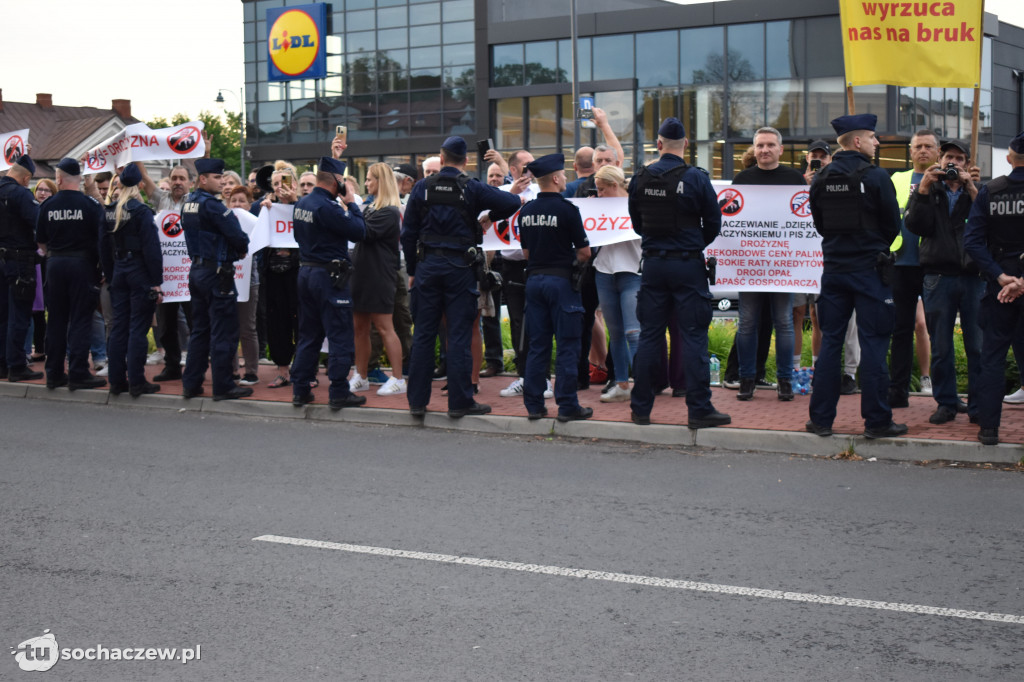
column 166, row 57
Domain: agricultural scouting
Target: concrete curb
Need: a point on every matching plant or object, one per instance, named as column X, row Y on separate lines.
column 785, row 442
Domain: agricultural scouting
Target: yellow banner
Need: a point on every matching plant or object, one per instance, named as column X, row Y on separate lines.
column 923, row 44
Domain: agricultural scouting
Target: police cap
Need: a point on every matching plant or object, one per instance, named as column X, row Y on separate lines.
column 25, row 162
column 454, row 144
column 204, row 166
column 1016, row 144
column 820, row 144
column 962, row 145
column 69, row 166
column 847, row 124
column 131, row 175
column 672, row 129
column 332, row 165
column 546, row 165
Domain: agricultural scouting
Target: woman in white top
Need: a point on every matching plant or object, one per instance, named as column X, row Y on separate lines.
column 618, row 282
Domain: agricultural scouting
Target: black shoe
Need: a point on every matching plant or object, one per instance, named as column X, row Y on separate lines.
column 822, row 431
column 848, row 386
column 785, row 389
column 746, row 389
column 942, row 415
column 961, row 407
column 302, row 399
column 474, row 409
column 581, row 413
column 534, row 416
column 709, row 420
column 640, row 420
column 898, row 399
column 235, row 393
column 58, row 382
column 582, row 384
column 169, row 374
column 988, row 436
column 91, row 382
column 763, row 383
column 188, row 393
column 3, row 372
column 23, row 374
column 118, row 389
column 351, row 400
column 678, row 392
column 441, row 372
column 418, row 412
column 490, row 371
column 891, row 431
column 973, row 419
column 144, row 388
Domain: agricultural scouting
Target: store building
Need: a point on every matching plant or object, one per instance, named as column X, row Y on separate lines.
column 404, row 74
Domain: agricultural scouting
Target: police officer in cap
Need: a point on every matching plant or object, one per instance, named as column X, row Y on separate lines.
column 994, row 239
column 133, row 263
column 855, row 210
column 675, row 211
column 441, row 240
column 323, row 230
column 215, row 240
column 552, row 235
column 18, row 213
column 69, row 230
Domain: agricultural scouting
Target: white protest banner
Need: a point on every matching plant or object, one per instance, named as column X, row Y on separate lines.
column 606, row 221
column 14, row 145
column 768, row 241
column 274, row 228
column 177, row 263
column 138, row 142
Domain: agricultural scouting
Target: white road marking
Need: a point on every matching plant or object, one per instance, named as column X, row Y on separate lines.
column 648, row 580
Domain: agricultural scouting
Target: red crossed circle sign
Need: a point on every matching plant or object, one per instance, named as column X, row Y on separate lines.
column 800, row 204
column 14, row 149
column 184, row 140
column 730, row 201
column 171, row 225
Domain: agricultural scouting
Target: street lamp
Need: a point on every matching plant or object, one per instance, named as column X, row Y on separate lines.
column 241, row 122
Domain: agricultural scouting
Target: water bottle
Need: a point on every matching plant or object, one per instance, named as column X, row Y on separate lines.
column 716, row 368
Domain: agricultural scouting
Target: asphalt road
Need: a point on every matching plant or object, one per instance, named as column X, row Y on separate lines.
column 135, row 528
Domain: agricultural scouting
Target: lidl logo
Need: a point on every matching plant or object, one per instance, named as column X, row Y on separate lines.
column 295, row 42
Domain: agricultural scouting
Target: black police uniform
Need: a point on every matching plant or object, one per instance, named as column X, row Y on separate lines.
column 323, row 230
column 674, row 209
column 71, row 226
column 550, row 230
column 444, row 222
column 18, row 213
column 994, row 239
column 133, row 262
column 854, row 207
column 215, row 240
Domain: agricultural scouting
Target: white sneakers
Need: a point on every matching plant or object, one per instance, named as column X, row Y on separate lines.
column 1016, row 398
column 616, row 394
column 926, row 385
column 103, row 370
column 358, row 383
column 515, row 389
column 392, row 386
column 155, row 358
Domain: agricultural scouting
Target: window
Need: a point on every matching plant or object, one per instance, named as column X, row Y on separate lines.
column 542, row 63
column 508, row 65
column 656, row 63
column 508, row 124
column 783, row 52
column 745, row 57
column 701, row 55
column 613, row 57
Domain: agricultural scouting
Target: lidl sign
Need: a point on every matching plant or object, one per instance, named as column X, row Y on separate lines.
column 295, row 42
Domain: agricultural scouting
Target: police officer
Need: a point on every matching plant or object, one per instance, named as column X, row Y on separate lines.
column 854, row 207
column 18, row 213
column 133, row 262
column 994, row 239
column 675, row 211
column 441, row 240
column 215, row 240
column 323, row 230
column 552, row 235
column 68, row 231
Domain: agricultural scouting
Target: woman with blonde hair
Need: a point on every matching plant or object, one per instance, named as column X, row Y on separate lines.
column 618, row 283
column 375, row 262
column 133, row 261
column 281, row 283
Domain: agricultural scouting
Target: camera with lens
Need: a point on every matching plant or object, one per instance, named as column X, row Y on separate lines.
column 951, row 173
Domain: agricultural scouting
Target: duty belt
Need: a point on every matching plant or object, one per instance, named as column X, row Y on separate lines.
column 10, row 253
column 205, row 263
column 72, row 254
column 440, row 251
column 558, row 272
column 125, row 254
column 313, row 264
column 677, row 255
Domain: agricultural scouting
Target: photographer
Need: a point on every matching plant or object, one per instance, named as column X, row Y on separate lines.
column 937, row 212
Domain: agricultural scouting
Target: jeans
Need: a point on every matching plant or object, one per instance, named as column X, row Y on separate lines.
column 617, row 294
column 750, row 318
column 98, row 342
column 944, row 295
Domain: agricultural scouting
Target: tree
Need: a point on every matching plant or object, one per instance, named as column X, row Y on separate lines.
column 223, row 132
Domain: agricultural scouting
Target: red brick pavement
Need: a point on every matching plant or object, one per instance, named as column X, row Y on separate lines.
column 765, row 411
